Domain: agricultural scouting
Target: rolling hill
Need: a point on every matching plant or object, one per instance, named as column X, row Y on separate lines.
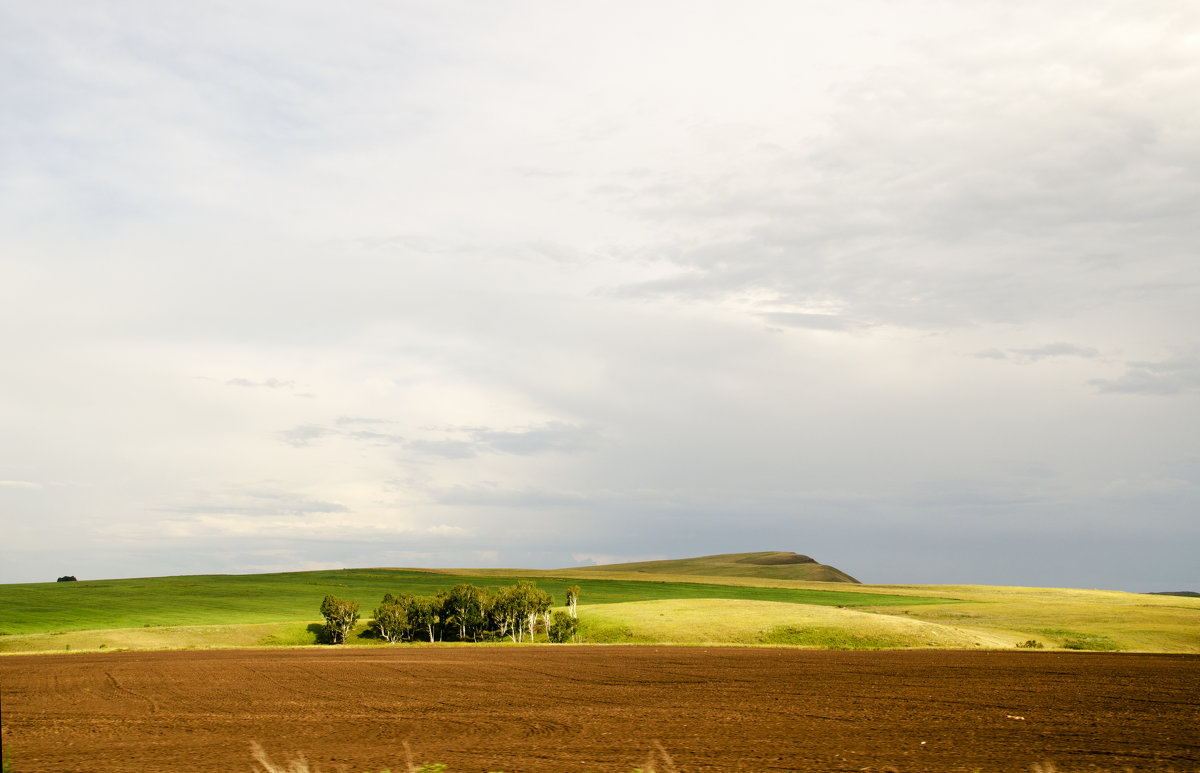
column 770, row 564
column 765, row 598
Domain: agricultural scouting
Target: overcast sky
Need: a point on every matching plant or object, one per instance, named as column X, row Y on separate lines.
column 910, row 287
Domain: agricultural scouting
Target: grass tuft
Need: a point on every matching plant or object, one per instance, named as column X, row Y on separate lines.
column 831, row 638
column 300, row 764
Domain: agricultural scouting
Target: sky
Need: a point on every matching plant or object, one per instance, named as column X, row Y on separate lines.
column 909, row 287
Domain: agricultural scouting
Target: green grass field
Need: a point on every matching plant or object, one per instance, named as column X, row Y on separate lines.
column 205, row 600
column 615, row 607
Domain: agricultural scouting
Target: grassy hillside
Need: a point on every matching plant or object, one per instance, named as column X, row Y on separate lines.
column 1066, row 617
column 615, row 606
column 691, row 621
column 208, row 600
column 772, row 564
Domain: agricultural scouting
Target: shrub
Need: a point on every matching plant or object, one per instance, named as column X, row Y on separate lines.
column 1031, row 644
column 564, row 628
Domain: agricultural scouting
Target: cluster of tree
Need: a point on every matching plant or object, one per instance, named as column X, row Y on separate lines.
column 67, row 578
column 463, row 613
column 340, row 617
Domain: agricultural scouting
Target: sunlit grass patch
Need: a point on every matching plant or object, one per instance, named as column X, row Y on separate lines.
column 832, row 638
column 1078, row 640
column 722, row 621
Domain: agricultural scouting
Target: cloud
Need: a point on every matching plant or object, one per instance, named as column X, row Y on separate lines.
column 953, row 205
column 600, row 559
column 304, row 435
column 538, row 439
column 1056, row 350
column 445, row 449
column 1174, row 376
column 467, row 442
column 346, row 421
column 375, row 438
column 1037, row 353
column 271, row 383
column 259, row 504
column 19, row 484
column 522, row 279
column 308, row 434
column 332, row 528
column 809, row 321
column 492, row 496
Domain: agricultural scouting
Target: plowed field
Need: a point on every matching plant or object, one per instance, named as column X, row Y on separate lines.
column 601, row 709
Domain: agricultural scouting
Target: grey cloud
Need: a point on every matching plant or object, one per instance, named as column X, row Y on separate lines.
column 1179, row 375
column 377, row 438
column 488, row 496
column 304, row 435
column 810, row 321
column 1056, row 350
column 551, row 436
column 258, row 503
column 308, row 434
column 468, row 442
column 991, row 354
column 445, row 449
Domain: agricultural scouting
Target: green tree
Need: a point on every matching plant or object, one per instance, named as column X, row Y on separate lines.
column 391, row 619
column 564, row 628
column 502, row 613
column 340, row 617
column 573, row 601
column 539, row 607
column 464, row 608
column 424, row 614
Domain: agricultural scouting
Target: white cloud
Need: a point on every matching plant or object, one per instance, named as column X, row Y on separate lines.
column 553, row 279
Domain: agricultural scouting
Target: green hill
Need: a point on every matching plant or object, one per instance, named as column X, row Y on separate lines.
column 772, row 564
column 721, row 599
column 198, row 600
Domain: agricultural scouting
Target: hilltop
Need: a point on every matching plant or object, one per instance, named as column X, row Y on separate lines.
column 771, row 564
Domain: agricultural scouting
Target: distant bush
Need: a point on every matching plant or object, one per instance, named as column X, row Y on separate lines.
column 67, row 578
column 1092, row 642
column 1031, row 644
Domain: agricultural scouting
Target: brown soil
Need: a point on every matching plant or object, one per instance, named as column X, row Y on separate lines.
column 565, row 708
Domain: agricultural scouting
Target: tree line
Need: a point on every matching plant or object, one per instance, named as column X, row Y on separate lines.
column 463, row 613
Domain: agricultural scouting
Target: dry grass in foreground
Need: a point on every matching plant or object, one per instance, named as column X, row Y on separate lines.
column 659, row 756
column 300, row 765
